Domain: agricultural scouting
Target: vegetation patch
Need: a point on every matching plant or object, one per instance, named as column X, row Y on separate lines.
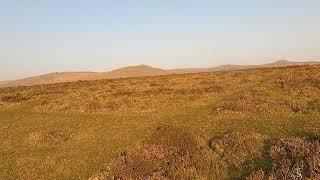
column 14, row 98
column 237, row 147
column 170, row 153
column 296, row 158
column 41, row 138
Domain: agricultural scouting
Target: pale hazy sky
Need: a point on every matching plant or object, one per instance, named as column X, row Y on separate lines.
column 41, row 36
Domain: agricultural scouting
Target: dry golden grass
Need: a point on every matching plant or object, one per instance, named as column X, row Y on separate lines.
column 212, row 125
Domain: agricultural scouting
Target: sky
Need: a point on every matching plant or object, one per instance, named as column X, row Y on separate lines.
column 42, row 36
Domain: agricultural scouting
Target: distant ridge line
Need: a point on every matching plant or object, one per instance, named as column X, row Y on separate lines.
column 135, row 71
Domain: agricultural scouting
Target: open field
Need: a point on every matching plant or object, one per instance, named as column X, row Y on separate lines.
column 222, row 125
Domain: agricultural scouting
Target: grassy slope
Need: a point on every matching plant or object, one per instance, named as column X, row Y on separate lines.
column 73, row 130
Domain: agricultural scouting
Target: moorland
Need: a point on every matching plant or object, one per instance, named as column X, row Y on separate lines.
column 240, row 124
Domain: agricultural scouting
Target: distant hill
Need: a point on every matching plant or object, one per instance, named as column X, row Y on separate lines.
column 288, row 63
column 50, row 78
column 130, row 71
column 134, row 71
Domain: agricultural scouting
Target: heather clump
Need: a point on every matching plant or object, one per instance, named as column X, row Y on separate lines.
column 170, row 153
column 296, row 158
column 293, row 158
